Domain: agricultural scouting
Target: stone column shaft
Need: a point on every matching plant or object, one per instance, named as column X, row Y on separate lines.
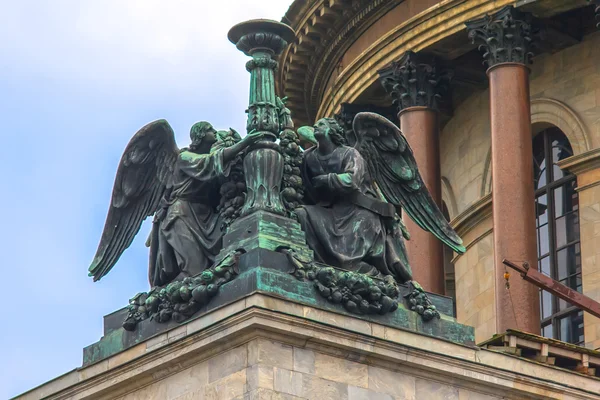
column 506, row 39
column 417, row 87
column 425, row 251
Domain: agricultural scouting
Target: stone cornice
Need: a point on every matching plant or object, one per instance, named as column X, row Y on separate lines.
column 262, row 317
column 473, row 215
column 586, row 166
column 419, row 32
column 581, row 163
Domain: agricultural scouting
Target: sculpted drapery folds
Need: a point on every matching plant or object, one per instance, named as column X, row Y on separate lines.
column 340, row 227
column 226, row 206
column 181, row 189
column 352, row 194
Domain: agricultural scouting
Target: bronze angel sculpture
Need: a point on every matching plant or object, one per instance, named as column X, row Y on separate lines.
column 353, row 192
column 181, row 188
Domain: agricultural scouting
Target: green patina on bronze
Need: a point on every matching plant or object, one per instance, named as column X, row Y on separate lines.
column 310, row 216
column 263, row 40
column 281, row 284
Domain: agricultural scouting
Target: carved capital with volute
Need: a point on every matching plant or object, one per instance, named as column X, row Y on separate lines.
column 506, row 36
column 417, row 80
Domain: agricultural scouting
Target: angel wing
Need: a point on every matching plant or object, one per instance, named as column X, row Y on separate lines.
column 392, row 166
column 143, row 176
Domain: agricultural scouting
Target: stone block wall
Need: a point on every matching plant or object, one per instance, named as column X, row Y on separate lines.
column 589, row 220
column 266, row 369
column 263, row 347
column 475, row 290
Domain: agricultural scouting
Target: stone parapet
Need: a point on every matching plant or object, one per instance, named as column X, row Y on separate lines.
column 276, row 284
column 263, row 347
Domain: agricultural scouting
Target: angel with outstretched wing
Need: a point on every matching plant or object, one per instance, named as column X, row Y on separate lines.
column 181, row 189
column 353, row 194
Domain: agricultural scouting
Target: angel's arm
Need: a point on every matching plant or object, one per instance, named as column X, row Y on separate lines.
column 229, row 153
column 217, row 163
column 351, row 174
column 204, row 167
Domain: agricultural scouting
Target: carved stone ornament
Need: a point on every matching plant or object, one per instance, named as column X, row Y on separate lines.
column 416, row 80
column 506, row 37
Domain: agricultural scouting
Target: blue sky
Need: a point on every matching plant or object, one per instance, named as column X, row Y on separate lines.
column 77, row 80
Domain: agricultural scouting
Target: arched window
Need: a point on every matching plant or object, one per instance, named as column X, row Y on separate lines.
column 557, row 221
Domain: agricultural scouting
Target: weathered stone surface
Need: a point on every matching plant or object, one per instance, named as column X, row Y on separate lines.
column 287, row 381
column 426, row 389
column 266, row 352
column 341, row 370
column 266, row 394
column 314, row 387
column 357, row 393
column 464, row 394
column 227, row 388
column 280, row 352
column 259, row 377
column 227, row 363
column 393, row 383
column 304, row 360
column 194, row 395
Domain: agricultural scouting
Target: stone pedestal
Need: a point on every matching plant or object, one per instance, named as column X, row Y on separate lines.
column 264, row 345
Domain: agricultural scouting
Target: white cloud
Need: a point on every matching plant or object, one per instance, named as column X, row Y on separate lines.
column 129, row 38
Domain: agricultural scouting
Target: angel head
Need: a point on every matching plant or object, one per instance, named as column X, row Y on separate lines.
column 202, row 135
column 329, row 129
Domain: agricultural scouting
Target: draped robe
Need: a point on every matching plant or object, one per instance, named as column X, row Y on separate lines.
column 341, row 233
column 186, row 233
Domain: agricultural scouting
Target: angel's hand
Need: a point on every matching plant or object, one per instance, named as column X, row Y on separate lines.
column 320, row 181
column 252, row 138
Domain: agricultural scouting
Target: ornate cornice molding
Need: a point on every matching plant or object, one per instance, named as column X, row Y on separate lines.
column 428, row 27
column 473, row 215
column 417, row 80
column 506, row 36
column 324, row 30
column 586, row 166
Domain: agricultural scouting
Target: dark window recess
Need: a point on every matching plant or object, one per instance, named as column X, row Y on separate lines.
column 558, row 244
column 448, row 265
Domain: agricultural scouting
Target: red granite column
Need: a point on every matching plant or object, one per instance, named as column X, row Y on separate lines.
column 417, row 86
column 505, row 37
column 425, row 252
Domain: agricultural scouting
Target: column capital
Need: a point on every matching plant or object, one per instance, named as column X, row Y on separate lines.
column 417, row 80
column 506, row 36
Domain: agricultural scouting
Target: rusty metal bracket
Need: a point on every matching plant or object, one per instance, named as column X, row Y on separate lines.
column 556, row 288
